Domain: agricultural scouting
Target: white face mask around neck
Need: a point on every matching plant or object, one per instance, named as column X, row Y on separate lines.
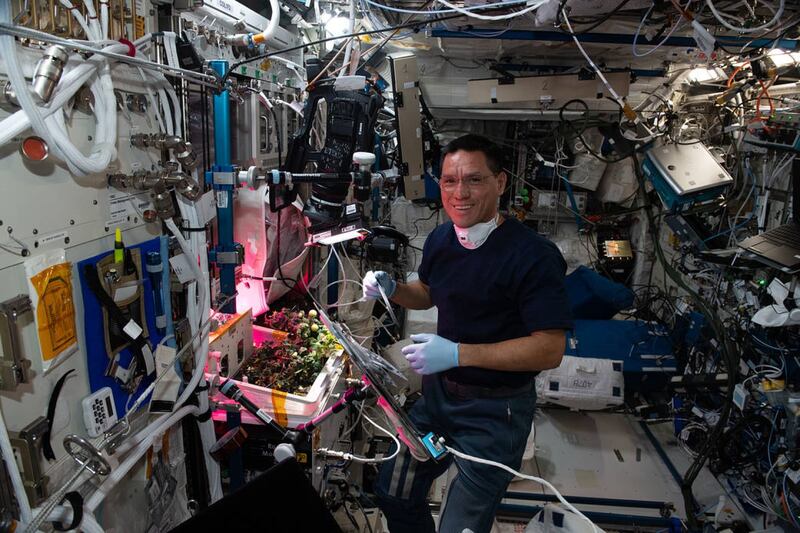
column 474, row 236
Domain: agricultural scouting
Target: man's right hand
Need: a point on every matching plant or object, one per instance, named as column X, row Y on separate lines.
column 373, row 280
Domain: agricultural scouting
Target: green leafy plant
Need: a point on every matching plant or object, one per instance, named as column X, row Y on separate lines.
column 291, row 364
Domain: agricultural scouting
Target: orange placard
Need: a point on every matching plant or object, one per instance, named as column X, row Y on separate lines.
column 279, row 406
column 55, row 312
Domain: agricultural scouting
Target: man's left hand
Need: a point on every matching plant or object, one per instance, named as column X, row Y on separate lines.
column 431, row 353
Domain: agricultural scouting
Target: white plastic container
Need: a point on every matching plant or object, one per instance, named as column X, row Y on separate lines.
column 288, row 410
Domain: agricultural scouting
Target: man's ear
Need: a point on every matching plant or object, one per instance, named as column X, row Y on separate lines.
column 502, row 181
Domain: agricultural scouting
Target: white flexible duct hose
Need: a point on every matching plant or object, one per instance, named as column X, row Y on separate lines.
column 63, row 514
column 274, row 19
column 259, row 38
column 104, row 149
column 13, row 472
column 104, row 18
column 350, row 29
column 94, row 23
column 77, row 15
column 118, row 473
column 8, row 50
column 55, row 136
column 207, row 435
column 71, row 81
column 139, row 443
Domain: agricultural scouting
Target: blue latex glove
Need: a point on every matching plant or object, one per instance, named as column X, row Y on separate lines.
column 374, row 279
column 431, row 353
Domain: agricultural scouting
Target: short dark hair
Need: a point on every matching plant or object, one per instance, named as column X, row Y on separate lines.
column 477, row 143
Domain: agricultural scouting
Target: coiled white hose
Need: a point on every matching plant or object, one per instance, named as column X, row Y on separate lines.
column 52, row 129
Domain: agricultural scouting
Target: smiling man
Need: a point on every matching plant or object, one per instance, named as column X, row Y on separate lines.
column 499, row 289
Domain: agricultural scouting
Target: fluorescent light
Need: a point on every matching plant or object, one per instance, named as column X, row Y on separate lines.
column 783, row 58
column 336, row 235
column 701, row 75
column 529, row 112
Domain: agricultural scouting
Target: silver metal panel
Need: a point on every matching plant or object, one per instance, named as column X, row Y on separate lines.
column 45, row 207
column 405, row 83
column 255, row 133
column 688, row 168
column 207, row 21
column 608, row 455
column 579, row 453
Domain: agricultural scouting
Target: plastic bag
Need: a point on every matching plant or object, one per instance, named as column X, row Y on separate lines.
column 50, row 286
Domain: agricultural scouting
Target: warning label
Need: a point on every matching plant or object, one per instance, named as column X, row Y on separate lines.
column 125, row 207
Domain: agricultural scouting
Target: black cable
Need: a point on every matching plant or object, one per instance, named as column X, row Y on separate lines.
column 727, row 351
column 351, row 517
column 420, row 219
column 386, row 41
column 281, row 277
column 579, row 134
column 277, row 136
column 234, row 66
column 364, row 513
column 600, row 21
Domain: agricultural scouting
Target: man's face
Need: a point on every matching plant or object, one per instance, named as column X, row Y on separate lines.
column 470, row 190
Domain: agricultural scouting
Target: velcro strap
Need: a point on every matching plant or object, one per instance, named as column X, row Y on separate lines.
column 130, row 327
column 76, row 501
column 47, row 448
column 203, row 417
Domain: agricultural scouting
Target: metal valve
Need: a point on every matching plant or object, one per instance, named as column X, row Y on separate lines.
column 249, row 178
column 48, row 72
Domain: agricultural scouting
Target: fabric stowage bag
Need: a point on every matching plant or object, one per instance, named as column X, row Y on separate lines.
column 582, row 383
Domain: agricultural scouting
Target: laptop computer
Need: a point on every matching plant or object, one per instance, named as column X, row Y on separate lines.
column 780, row 247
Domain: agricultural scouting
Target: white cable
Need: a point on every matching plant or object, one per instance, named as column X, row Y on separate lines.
column 51, row 128
column 740, row 29
column 169, row 119
column 207, row 435
column 675, row 26
column 104, row 18
column 534, row 6
column 175, row 105
column 358, row 459
column 350, row 30
column 535, row 479
column 591, row 63
column 117, row 474
column 19, row 31
column 186, row 249
column 71, row 81
column 94, row 23
column 8, row 50
column 77, row 15
column 152, row 99
column 442, row 11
